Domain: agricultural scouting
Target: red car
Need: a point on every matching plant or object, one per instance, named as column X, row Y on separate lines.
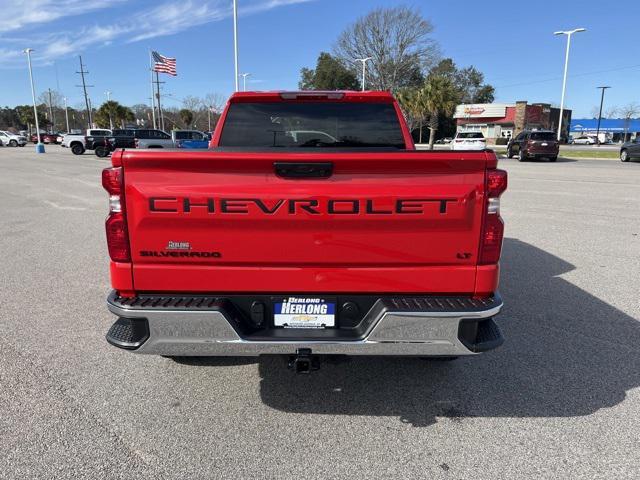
column 312, row 226
column 45, row 138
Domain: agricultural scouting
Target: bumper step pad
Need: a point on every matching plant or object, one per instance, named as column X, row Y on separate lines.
column 128, row 333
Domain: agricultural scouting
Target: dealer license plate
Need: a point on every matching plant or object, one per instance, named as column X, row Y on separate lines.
column 304, row 312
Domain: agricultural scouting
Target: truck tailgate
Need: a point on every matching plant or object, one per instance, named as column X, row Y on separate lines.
column 222, row 221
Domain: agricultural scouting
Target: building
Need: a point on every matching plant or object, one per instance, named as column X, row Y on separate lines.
column 504, row 120
column 613, row 129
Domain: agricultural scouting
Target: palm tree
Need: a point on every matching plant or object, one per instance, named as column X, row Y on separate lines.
column 411, row 103
column 439, row 97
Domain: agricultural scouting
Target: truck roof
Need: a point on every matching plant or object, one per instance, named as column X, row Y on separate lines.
column 329, row 95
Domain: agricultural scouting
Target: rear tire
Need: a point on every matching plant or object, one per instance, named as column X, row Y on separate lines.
column 509, row 153
column 624, row 156
column 77, row 149
column 102, row 152
column 522, row 157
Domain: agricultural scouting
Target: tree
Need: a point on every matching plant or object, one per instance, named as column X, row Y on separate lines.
column 468, row 81
column 186, row 116
column 412, row 105
column 329, row 74
column 111, row 113
column 440, row 97
column 399, row 42
column 628, row 112
column 26, row 117
column 610, row 112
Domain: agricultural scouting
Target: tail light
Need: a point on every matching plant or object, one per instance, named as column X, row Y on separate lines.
column 116, row 224
column 493, row 228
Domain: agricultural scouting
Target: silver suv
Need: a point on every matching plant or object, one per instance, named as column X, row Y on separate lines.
column 11, row 139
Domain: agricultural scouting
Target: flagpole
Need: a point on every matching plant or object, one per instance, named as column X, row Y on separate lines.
column 235, row 40
column 161, row 117
column 153, row 102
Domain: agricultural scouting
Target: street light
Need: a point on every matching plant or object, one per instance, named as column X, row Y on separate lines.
column 235, row 40
column 108, row 94
column 244, row 81
column 39, row 144
column 66, row 114
column 600, row 115
column 364, row 67
column 568, row 33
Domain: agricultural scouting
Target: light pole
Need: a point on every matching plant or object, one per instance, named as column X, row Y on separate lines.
column 364, row 68
column 600, row 115
column 244, row 81
column 66, row 114
column 568, row 33
column 108, row 94
column 235, row 40
column 39, row 144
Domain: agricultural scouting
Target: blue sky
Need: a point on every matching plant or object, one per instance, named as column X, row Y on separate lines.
column 511, row 42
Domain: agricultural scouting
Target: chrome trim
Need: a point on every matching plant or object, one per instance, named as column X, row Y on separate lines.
column 187, row 332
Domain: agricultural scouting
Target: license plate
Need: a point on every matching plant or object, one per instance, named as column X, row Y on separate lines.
column 304, row 312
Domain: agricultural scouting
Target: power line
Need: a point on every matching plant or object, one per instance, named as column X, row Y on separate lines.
column 583, row 74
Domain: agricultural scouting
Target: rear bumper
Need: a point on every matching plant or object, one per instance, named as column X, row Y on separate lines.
column 397, row 326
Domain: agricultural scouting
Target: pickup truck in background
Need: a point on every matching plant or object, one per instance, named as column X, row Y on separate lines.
column 151, row 138
column 78, row 142
column 311, row 226
column 119, row 138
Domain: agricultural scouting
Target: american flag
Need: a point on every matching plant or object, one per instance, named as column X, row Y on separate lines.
column 164, row 64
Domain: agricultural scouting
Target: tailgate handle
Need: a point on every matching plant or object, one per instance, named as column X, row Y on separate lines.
column 303, row 169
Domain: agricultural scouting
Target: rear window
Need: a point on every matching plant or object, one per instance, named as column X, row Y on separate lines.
column 543, row 136
column 470, row 135
column 123, row 133
column 312, row 125
column 188, row 135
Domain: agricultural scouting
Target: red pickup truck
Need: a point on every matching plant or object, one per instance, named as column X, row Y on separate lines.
column 310, row 226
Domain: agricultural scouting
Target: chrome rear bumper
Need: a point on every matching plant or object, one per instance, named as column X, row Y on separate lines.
column 401, row 328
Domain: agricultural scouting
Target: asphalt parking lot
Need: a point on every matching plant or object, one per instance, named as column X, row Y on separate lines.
column 560, row 399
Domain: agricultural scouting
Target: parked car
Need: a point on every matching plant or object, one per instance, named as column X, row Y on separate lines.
column 630, row 150
column 77, row 142
column 252, row 249
column 534, row 144
column 444, row 141
column 151, row 138
column 584, row 140
column 469, row 141
column 11, row 139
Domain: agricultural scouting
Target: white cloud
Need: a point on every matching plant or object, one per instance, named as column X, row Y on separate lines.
column 17, row 14
column 168, row 18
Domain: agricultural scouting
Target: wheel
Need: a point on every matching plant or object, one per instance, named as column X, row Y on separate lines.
column 624, row 155
column 553, row 159
column 522, row 157
column 102, row 151
column 509, row 153
column 77, row 149
column 13, row 143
